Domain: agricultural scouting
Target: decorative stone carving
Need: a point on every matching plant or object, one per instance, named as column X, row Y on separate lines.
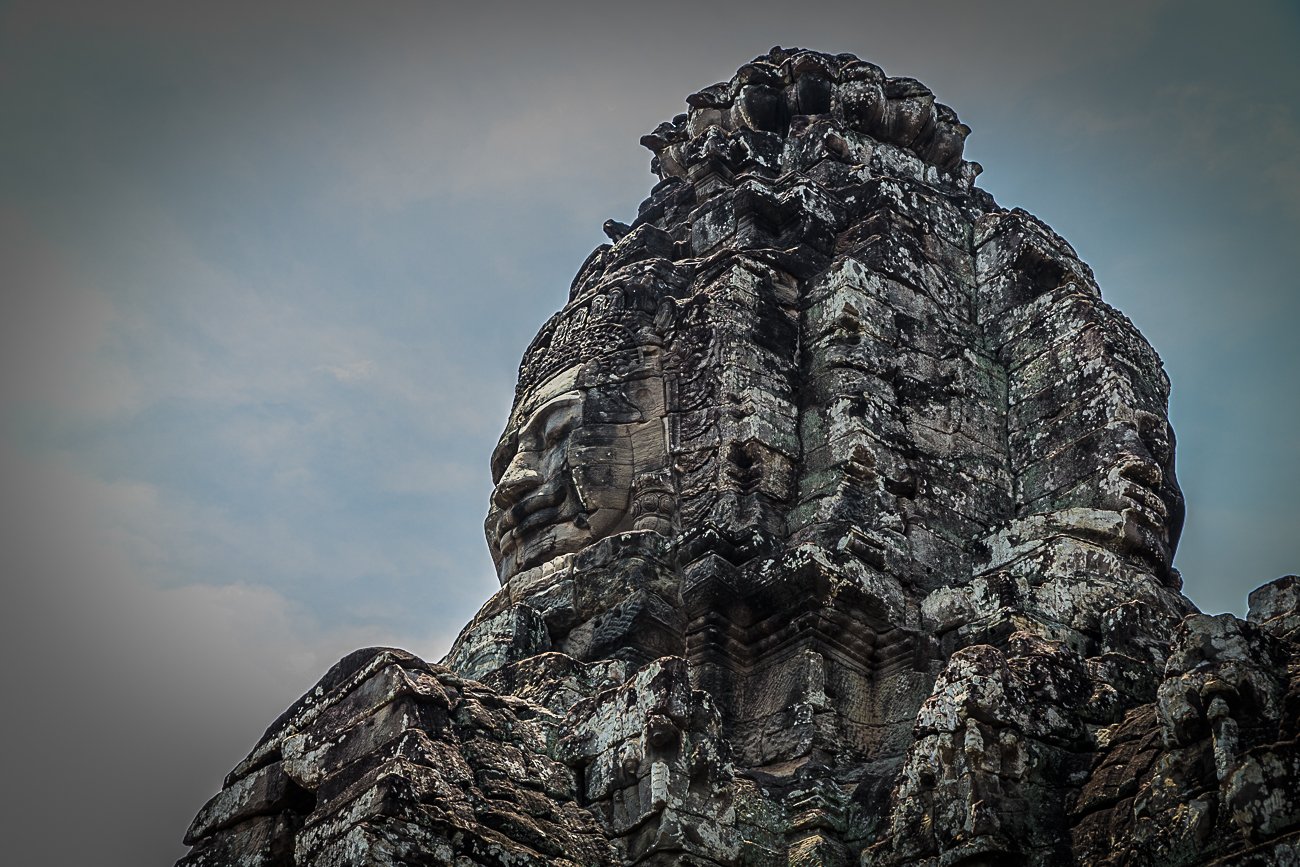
column 834, row 519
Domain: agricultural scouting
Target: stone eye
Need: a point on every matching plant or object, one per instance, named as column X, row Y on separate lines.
column 557, row 429
column 1154, row 434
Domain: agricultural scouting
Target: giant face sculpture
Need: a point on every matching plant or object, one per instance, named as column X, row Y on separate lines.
column 578, row 451
column 1149, row 484
column 1136, row 478
column 1087, row 426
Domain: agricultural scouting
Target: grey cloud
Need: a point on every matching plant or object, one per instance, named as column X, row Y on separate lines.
column 128, row 695
column 280, row 261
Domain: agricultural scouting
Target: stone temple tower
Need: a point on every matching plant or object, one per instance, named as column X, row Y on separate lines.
column 834, row 521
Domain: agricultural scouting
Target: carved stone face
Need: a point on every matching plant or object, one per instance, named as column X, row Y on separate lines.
column 565, row 468
column 1140, row 483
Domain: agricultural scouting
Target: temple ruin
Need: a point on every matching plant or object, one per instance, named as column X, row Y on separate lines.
column 834, row 520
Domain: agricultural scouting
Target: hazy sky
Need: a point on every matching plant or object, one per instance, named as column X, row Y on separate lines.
column 268, row 270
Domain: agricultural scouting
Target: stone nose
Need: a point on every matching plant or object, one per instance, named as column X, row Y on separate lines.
column 520, row 477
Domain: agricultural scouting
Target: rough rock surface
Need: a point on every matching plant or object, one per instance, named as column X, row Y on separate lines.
column 834, row 521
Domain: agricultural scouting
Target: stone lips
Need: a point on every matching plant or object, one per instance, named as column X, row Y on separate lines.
column 835, row 519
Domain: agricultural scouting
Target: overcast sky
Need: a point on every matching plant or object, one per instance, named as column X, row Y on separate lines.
column 268, row 269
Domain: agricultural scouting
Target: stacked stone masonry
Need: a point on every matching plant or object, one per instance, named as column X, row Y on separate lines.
column 835, row 520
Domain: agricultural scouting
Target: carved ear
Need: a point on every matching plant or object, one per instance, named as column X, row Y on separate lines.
column 647, row 395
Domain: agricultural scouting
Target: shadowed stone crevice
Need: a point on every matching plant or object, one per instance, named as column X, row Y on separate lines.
column 835, row 518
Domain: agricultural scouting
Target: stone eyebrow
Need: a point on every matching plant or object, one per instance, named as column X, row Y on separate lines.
column 543, row 418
